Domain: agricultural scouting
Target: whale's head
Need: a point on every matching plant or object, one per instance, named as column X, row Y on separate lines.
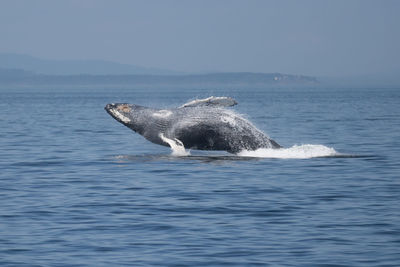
column 133, row 116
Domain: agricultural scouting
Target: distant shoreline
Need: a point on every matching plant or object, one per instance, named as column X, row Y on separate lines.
column 21, row 77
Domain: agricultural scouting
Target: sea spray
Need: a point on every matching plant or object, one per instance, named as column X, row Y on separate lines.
column 294, row 152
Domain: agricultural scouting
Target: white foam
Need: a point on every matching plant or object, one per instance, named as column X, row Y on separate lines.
column 178, row 149
column 294, row 152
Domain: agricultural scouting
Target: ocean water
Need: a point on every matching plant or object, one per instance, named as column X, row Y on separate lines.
column 79, row 189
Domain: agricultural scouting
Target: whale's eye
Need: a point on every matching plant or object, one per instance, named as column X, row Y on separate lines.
column 124, row 108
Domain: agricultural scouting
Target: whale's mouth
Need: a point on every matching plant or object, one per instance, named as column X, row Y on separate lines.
column 117, row 112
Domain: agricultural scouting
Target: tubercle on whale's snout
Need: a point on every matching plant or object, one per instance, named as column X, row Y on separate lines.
column 109, row 106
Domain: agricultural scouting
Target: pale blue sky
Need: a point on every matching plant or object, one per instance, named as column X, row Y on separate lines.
column 298, row 37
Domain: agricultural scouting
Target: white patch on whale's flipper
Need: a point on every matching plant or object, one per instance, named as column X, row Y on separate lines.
column 119, row 116
column 178, row 149
column 162, row 113
column 221, row 101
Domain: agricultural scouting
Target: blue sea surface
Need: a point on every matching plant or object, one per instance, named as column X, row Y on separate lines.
column 77, row 188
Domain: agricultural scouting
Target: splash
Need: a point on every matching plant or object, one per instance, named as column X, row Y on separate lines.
column 294, row 152
column 178, row 149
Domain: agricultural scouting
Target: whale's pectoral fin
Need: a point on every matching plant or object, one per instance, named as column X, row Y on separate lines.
column 221, row 101
column 176, row 145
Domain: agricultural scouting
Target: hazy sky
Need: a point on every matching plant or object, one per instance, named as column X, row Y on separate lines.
column 297, row 37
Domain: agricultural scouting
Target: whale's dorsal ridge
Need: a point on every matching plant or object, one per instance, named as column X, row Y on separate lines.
column 217, row 101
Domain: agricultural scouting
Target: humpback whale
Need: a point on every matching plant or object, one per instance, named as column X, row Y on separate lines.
column 203, row 124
